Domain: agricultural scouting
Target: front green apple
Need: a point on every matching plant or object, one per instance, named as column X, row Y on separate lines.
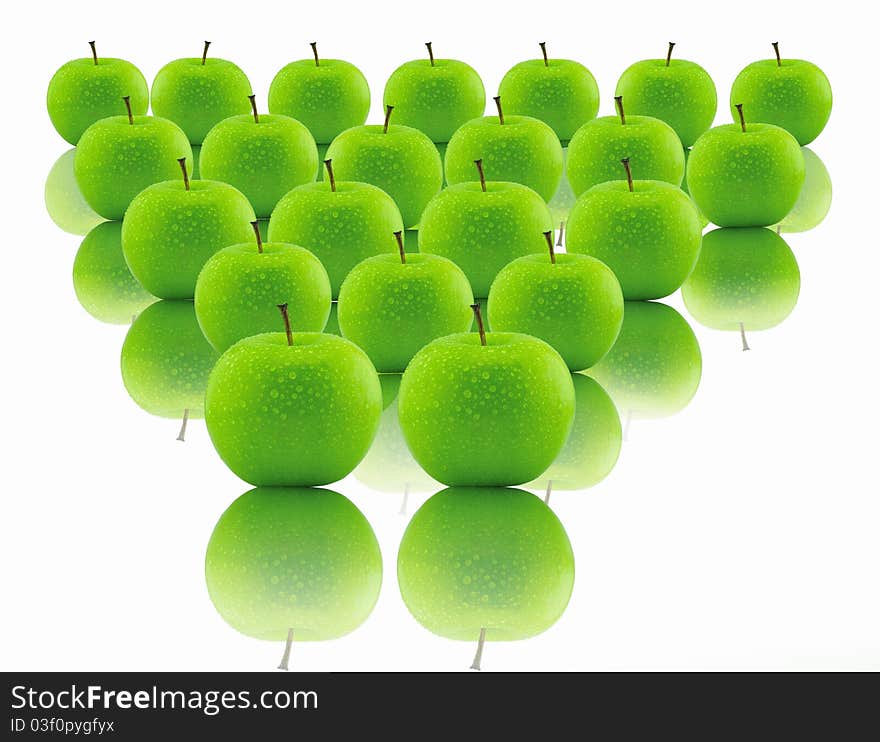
column 65, row 203
column 814, row 200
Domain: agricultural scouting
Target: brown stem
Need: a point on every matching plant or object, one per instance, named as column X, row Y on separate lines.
column 669, row 53
column 742, row 118
column 478, row 657
column 94, row 52
column 778, row 58
column 478, row 316
column 283, row 309
column 549, row 237
column 629, row 175
column 182, row 162
column 329, row 165
column 430, row 53
column 742, row 335
column 497, row 100
column 479, row 164
column 127, row 100
column 543, row 46
column 314, row 45
column 285, row 658
column 388, row 110
column 398, row 235
column 205, row 52
column 181, row 435
column 256, row 226
column 618, row 103
column 253, row 99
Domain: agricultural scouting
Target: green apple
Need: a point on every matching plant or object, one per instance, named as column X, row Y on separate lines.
column 392, row 306
column 341, row 222
column 239, row 290
column 102, row 280
column 172, row 228
column 264, row 156
column 332, row 327
column 399, row 159
column 790, row 93
column 745, row 175
column 435, row 96
column 647, row 231
column 487, row 409
column 518, row 149
column 87, row 90
column 814, row 200
column 286, row 563
column 482, row 226
column 166, row 360
column 411, row 240
column 560, row 92
column 593, row 445
column 286, row 409
column 65, row 204
column 703, row 220
column 654, row 368
column 596, row 149
column 197, row 93
column 480, row 564
column 197, row 153
column 676, row 91
column 118, row 156
column 572, row 302
column 746, row 279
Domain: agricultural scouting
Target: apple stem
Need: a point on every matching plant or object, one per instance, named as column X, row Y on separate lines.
column 283, row 309
column 629, row 175
column 669, row 53
column 478, row 657
column 430, row 53
column 285, row 658
column 182, row 162
column 253, row 99
column 497, row 100
column 314, row 45
column 405, row 500
column 618, row 103
column 256, row 225
column 329, row 165
column 205, row 52
column 561, row 231
column 543, row 46
column 778, row 58
column 548, row 491
column 549, row 237
column 398, row 235
column 181, row 436
column 479, row 164
column 388, row 110
column 127, row 100
column 94, row 52
column 478, row 316
column 742, row 118
column 742, row 334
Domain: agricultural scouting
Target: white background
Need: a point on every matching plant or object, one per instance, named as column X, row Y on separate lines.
column 742, row 533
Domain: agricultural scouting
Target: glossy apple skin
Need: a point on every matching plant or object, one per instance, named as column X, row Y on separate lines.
column 239, row 290
column 522, row 150
column 169, row 232
column 795, row 96
column 475, row 558
column 81, row 93
column 745, row 275
column 391, row 310
column 746, row 178
column 649, row 237
column 682, row 94
column 293, row 416
column 814, row 200
column 575, row 305
column 328, row 98
column 263, row 160
column 436, row 99
column 102, row 280
column 284, row 558
column 196, row 96
column 562, row 93
column 593, row 446
column 481, row 232
column 704, row 222
column 596, row 149
column 491, row 415
column 166, row 360
column 65, row 203
column 654, row 368
column 402, row 162
column 341, row 227
column 116, row 160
